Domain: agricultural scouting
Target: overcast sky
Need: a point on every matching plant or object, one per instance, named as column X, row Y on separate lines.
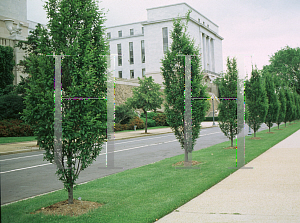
column 251, row 28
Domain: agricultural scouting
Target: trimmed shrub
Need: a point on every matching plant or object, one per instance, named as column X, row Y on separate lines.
column 210, row 119
column 160, row 119
column 10, row 106
column 15, row 128
column 136, row 121
column 150, row 123
column 118, row 127
column 150, row 115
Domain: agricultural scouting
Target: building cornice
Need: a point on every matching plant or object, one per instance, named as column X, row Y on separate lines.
column 127, row 24
column 184, row 17
column 183, row 3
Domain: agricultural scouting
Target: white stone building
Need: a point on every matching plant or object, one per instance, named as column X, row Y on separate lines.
column 139, row 47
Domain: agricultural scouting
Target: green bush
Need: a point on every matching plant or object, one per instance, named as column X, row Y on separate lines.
column 150, row 122
column 7, row 64
column 210, row 119
column 161, row 119
column 10, row 106
column 136, row 121
column 118, row 127
column 15, row 128
column 150, row 115
column 123, row 114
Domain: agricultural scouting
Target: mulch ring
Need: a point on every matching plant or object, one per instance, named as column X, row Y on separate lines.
column 255, row 138
column 181, row 163
column 230, row 147
column 63, row 208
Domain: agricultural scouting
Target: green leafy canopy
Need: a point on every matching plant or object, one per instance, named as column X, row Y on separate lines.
column 75, row 29
column 173, row 71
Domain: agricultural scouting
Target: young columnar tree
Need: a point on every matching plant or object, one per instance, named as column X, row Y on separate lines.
column 76, row 29
column 273, row 107
column 228, row 108
column 289, row 105
column 298, row 106
column 173, row 71
column 146, row 97
column 293, row 94
column 282, row 107
column 256, row 99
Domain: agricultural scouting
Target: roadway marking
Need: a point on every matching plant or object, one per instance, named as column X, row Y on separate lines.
column 21, row 157
column 25, row 168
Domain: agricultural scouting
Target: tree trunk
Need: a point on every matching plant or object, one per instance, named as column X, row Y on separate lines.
column 278, row 126
column 254, row 133
column 231, row 135
column 269, row 128
column 146, row 113
column 70, row 195
column 186, row 157
column 285, row 124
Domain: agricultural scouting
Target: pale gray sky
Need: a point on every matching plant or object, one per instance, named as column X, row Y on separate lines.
column 256, row 28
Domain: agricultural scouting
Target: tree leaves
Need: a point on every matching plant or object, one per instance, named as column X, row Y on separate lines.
column 173, row 71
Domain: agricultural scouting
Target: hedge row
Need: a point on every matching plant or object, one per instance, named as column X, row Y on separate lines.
column 14, row 128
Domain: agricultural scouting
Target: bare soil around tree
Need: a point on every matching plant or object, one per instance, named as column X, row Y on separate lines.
column 63, row 208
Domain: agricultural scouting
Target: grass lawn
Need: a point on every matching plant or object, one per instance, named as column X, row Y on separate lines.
column 149, row 192
column 148, row 128
column 17, row 139
column 33, row 138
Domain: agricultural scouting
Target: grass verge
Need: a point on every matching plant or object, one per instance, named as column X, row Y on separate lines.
column 148, row 128
column 149, row 192
column 17, row 139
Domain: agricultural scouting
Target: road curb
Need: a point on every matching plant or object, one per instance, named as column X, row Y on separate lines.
column 26, row 149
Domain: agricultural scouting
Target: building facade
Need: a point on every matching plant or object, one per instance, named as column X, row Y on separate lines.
column 137, row 48
column 13, row 28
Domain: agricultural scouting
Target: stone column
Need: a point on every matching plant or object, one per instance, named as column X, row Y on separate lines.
column 212, row 55
column 204, row 52
column 208, row 54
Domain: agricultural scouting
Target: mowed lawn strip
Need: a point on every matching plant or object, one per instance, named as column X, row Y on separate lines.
column 17, row 139
column 149, row 192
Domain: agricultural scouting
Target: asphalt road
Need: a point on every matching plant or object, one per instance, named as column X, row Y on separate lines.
column 25, row 175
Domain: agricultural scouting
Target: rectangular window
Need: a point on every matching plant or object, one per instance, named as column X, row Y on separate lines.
column 131, row 32
column 165, row 38
column 120, row 74
column 120, row 33
column 108, row 35
column 131, row 74
column 142, row 30
column 131, row 52
column 143, row 51
column 144, row 72
column 119, row 55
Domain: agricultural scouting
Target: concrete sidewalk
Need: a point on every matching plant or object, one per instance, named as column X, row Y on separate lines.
column 10, row 148
column 270, row 192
